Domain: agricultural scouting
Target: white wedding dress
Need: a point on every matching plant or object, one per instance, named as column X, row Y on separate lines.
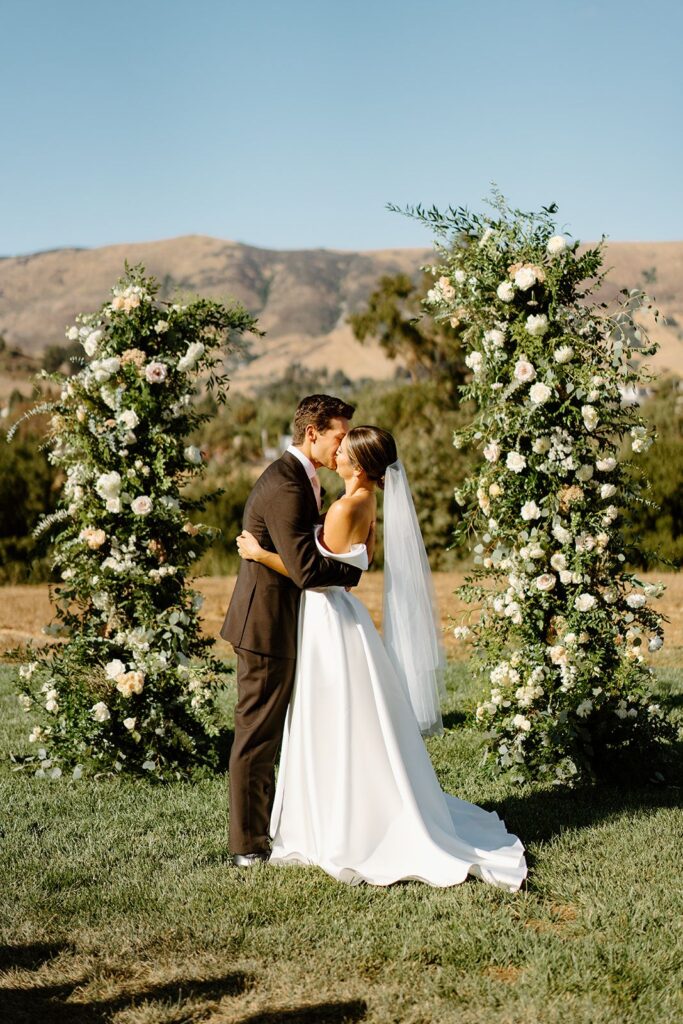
column 356, row 792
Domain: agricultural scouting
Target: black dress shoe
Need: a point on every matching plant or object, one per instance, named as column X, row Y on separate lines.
column 248, row 860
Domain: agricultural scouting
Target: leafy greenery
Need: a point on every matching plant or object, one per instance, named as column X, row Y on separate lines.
column 563, row 625
column 132, row 687
column 118, row 902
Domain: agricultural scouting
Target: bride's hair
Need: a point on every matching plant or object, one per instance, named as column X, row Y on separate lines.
column 372, row 449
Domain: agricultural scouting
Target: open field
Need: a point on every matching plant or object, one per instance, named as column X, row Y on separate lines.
column 118, row 904
column 24, row 610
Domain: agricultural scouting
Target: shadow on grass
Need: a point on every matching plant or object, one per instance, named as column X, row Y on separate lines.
column 538, row 816
column 52, row 1004
column 453, row 719
column 323, row 1013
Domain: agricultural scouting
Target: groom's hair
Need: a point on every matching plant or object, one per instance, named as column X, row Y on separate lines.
column 318, row 410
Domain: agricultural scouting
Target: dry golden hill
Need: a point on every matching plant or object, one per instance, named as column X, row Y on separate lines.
column 302, row 298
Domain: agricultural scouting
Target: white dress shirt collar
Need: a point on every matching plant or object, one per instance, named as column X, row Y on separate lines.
column 304, row 460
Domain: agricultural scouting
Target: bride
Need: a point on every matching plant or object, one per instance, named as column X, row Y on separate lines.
column 356, row 792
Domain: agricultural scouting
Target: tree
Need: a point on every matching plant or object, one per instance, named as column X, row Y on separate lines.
column 395, row 317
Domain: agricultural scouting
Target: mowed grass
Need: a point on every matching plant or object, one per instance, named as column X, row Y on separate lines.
column 118, row 904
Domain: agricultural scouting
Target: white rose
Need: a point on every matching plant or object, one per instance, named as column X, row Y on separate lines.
column 584, row 709
column 556, row 244
column 539, row 393
column 505, row 291
column 142, row 505
column 524, row 371
column 525, row 278
column 193, row 455
column 73, row 334
column 584, row 473
column 108, row 485
column 636, row 600
column 129, row 418
column 606, row 465
column 541, row 445
column 156, row 373
column 114, row 668
column 545, row 582
column 100, row 711
column 129, row 723
column 91, row 343
column 537, row 325
column 607, row 491
column 161, row 326
column 530, row 510
column 194, row 352
column 492, row 451
column 566, row 576
column 521, row 723
column 113, row 505
column 495, row 338
column 474, row 361
column 558, row 561
column 584, row 602
column 515, row 462
column 656, row 643
column 460, row 276
column 590, row 417
column 563, row 354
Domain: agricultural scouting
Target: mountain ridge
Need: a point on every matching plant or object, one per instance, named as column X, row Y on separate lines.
column 301, row 297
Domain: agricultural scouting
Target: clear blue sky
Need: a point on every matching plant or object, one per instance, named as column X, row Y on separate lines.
column 290, row 123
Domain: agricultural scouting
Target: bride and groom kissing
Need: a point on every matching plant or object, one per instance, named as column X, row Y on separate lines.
column 356, row 793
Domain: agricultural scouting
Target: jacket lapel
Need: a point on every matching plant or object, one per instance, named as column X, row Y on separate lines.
column 302, row 476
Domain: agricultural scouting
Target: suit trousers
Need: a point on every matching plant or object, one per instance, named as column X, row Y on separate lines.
column 264, row 688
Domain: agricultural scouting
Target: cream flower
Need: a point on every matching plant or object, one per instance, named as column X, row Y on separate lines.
column 495, row 338
column 545, row 582
column 537, row 325
column 524, row 371
column 100, row 712
column 607, row 491
column 492, row 451
column 194, row 353
column 539, row 393
column 142, row 505
column 474, row 361
column 558, row 561
column 505, row 291
column 193, row 455
column 515, row 462
column 156, row 373
column 584, row 602
column 93, row 538
column 606, row 465
column 590, row 417
column 563, row 354
column 530, row 510
column 525, row 278
column 541, row 445
column 556, row 244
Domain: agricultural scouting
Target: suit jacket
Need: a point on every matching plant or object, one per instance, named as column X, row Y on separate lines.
column 281, row 512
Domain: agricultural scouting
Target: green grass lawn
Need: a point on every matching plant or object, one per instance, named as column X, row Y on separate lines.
column 118, row 903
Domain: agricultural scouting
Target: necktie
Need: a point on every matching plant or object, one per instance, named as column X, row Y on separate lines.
column 315, row 484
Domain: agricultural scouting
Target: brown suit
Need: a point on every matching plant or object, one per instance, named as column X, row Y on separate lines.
column 261, row 624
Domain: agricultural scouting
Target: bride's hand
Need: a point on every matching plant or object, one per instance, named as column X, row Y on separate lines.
column 248, row 547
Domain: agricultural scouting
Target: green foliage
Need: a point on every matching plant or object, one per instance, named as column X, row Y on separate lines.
column 654, row 525
column 562, row 625
column 132, row 687
column 27, row 492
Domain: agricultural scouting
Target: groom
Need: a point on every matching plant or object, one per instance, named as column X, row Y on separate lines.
column 261, row 623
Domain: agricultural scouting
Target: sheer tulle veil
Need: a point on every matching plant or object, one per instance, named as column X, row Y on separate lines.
column 410, row 624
